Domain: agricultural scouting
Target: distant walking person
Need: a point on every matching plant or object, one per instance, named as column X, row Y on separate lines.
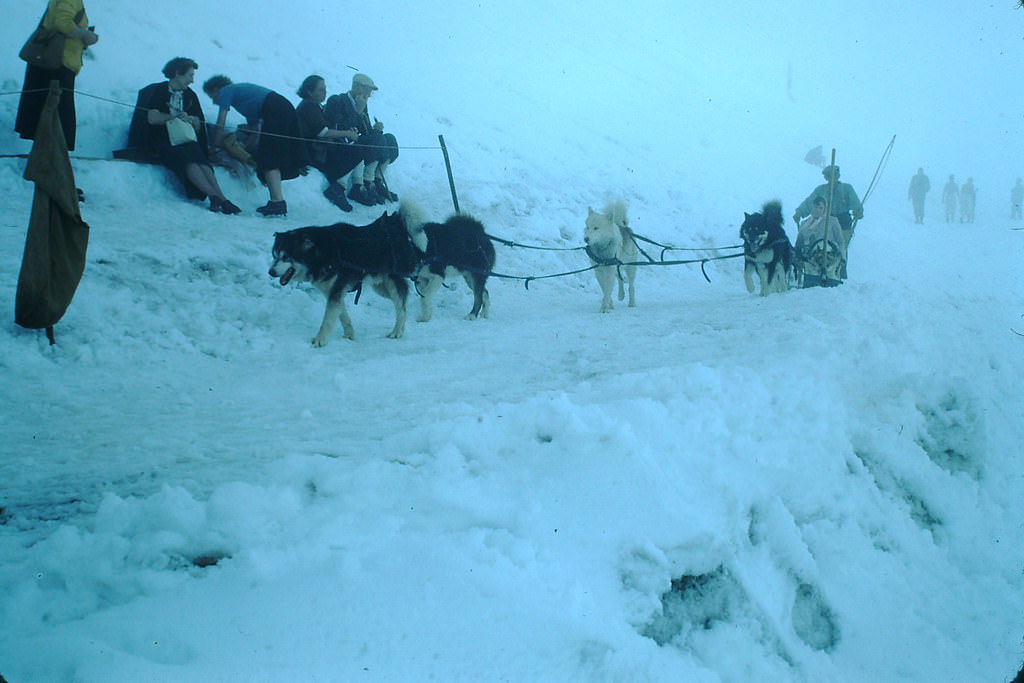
column 1016, row 198
column 67, row 17
column 919, row 187
column 968, row 195
column 950, row 195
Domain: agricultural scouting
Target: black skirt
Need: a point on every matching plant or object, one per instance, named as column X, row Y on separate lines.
column 178, row 157
column 281, row 144
column 33, row 98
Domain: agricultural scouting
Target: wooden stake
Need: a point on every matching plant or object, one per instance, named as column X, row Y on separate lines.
column 451, row 179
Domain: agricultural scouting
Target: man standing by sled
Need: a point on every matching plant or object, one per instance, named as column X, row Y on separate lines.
column 846, row 205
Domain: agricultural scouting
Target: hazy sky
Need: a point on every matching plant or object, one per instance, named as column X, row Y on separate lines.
column 705, row 81
column 940, row 76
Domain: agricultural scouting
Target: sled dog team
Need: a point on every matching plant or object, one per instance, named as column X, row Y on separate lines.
column 401, row 246
column 341, row 258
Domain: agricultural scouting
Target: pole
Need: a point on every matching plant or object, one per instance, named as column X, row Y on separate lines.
column 831, row 190
column 451, row 179
column 878, row 171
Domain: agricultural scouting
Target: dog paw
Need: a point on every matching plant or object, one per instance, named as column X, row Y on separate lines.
column 470, row 316
column 423, row 319
column 318, row 342
column 395, row 334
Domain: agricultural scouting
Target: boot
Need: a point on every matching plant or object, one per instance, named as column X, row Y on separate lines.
column 272, row 208
column 361, row 194
column 336, row 195
column 228, row 208
column 382, row 190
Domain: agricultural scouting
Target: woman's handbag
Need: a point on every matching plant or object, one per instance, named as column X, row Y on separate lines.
column 180, row 131
column 44, row 48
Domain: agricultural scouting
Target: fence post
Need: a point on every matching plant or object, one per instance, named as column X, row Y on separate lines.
column 451, row 179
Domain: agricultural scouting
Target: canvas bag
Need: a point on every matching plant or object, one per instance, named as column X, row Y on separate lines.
column 180, row 131
column 44, row 48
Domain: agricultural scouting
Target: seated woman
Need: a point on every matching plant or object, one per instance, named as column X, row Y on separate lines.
column 820, row 248
column 280, row 152
column 173, row 103
column 328, row 149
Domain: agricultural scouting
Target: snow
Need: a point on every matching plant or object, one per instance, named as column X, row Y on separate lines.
column 830, row 478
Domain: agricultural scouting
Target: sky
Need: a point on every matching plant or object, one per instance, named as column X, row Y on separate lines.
column 817, row 485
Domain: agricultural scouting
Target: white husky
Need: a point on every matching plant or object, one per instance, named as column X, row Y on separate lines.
column 610, row 242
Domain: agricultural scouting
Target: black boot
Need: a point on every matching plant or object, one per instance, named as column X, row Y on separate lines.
column 336, row 195
column 381, row 186
column 228, row 208
column 272, row 208
column 361, row 194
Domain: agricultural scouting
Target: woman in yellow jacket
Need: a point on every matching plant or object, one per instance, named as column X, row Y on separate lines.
column 67, row 17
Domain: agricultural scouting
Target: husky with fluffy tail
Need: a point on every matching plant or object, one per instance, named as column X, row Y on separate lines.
column 459, row 245
column 767, row 251
column 610, row 242
column 339, row 258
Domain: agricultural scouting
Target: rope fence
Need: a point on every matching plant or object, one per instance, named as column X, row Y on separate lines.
column 509, row 243
column 236, row 129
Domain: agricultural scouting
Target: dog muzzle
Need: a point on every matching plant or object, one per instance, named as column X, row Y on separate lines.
column 286, row 276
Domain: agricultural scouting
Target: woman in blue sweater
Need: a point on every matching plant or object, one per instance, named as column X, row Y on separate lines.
column 281, row 153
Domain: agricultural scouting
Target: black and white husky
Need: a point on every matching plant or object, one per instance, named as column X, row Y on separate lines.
column 610, row 242
column 459, row 245
column 767, row 251
column 338, row 258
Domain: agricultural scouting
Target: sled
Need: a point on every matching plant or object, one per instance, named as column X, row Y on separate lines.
column 821, row 263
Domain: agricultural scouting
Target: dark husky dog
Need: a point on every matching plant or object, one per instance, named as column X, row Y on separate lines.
column 338, row 258
column 767, row 250
column 458, row 244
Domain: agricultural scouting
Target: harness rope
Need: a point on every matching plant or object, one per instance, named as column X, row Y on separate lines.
column 613, row 262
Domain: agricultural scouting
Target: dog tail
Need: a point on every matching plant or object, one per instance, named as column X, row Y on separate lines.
column 772, row 210
column 412, row 216
column 616, row 211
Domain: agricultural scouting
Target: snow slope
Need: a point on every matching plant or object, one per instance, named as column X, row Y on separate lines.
column 822, row 485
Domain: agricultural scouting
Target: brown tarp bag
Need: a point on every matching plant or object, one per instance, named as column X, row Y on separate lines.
column 57, row 236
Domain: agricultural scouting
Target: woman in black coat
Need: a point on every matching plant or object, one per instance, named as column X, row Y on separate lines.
column 173, row 103
column 330, row 150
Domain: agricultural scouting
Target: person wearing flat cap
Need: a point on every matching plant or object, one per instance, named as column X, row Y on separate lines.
column 377, row 150
column 844, row 203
